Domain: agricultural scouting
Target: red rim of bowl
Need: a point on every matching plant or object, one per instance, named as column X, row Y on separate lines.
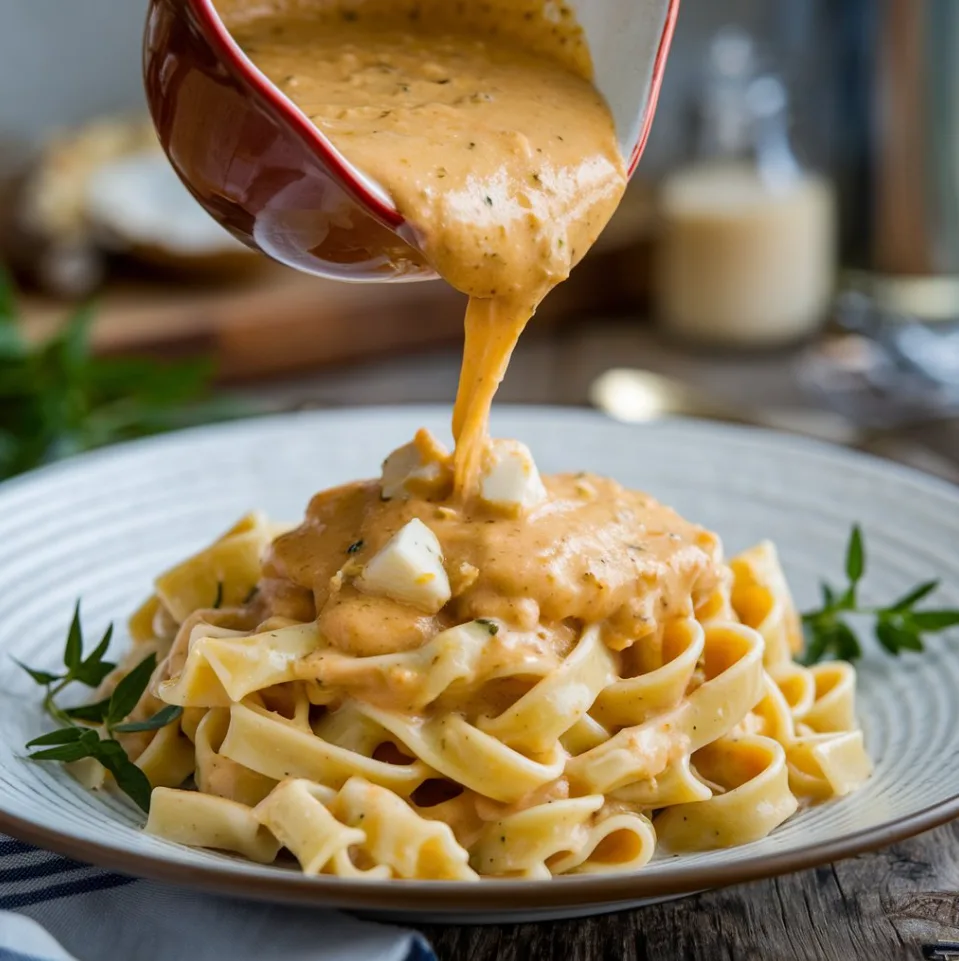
column 219, row 38
column 655, row 83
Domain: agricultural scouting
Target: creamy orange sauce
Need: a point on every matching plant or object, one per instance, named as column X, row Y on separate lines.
column 480, row 121
column 592, row 553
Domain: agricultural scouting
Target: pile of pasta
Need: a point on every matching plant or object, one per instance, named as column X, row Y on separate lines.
column 715, row 742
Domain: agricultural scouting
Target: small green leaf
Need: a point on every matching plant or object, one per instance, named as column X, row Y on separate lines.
column 162, row 717
column 11, row 343
column 912, row 642
column 92, row 675
column 130, row 779
column 57, row 399
column 73, row 651
column 817, row 641
column 855, row 556
column 846, row 645
column 93, row 668
column 73, row 341
column 65, row 753
column 898, row 627
column 355, row 547
column 913, row 597
column 934, row 620
column 491, row 626
column 129, row 691
column 886, row 635
column 8, row 302
column 826, row 638
column 155, row 385
column 12, row 346
column 895, row 638
column 66, row 735
column 847, row 602
column 218, row 600
column 95, row 713
column 41, row 677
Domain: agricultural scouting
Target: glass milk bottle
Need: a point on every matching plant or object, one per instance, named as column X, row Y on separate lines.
column 746, row 254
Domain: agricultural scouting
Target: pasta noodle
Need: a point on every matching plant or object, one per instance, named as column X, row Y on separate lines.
column 203, row 820
column 496, row 745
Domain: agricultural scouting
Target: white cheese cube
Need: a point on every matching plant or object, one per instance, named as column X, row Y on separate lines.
column 420, row 466
column 408, row 569
column 510, row 480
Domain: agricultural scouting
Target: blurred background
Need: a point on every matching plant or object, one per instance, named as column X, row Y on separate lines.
column 788, row 253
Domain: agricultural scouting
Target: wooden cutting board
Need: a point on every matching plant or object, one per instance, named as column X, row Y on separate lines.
column 277, row 320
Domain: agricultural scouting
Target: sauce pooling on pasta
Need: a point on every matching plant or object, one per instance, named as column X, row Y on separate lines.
column 481, row 123
column 591, row 552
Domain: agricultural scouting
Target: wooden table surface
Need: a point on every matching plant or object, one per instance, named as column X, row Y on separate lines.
column 878, row 907
column 890, row 904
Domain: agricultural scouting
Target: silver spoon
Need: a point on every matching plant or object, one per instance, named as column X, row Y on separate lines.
column 637, row 396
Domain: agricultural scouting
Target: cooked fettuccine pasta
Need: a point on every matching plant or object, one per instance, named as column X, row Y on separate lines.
column 556, row 676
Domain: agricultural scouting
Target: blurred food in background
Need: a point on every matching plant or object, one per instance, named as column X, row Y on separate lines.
column 101, row 191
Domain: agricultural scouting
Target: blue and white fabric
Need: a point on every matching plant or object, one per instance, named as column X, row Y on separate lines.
column 55, row 909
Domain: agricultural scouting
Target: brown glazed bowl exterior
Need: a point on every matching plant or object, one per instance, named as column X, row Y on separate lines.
column 256, row 163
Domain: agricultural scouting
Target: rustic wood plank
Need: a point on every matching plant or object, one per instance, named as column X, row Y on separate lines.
column 879, row 906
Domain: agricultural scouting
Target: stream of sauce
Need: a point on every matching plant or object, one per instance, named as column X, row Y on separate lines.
column 480, row 121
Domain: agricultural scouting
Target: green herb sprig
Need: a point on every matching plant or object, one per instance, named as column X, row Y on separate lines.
column 72, row 741
column 57, row 398
column 897, row 627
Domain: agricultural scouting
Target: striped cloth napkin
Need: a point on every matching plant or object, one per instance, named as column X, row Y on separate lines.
column 55, row 909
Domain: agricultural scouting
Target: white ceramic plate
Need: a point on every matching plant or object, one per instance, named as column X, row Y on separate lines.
column 101, row 526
